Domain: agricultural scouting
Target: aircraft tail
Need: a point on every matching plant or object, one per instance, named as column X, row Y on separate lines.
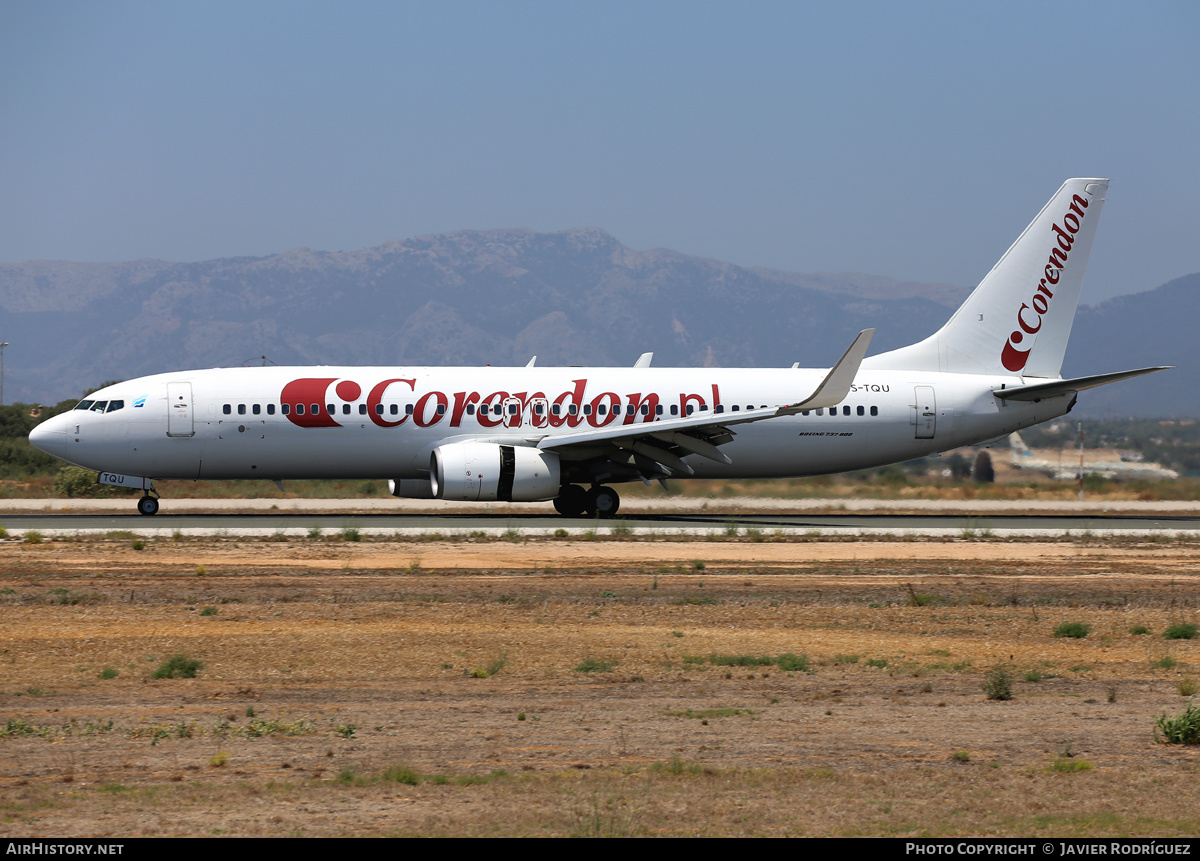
column 1018, row 320
column 1017, row 446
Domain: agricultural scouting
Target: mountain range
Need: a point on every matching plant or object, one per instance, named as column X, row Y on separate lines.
column 574, row 297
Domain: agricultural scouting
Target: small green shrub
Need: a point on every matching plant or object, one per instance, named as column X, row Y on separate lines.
column 998, row 684
column 1139, row 630
column 497, row 664
column 962, row 756
column 1069, row 765
column 350, row 533
column 1181, row 631
column 1183, row 728
column 594, row 665
column 401, row 774
column 178, row 667
column 75, row 481
column 209, row 611
column 1072, row 630
column 1187, row 687
column 790, row 663
column 32, row 536
column 676, row 765
column 346, row 730
column 109, row 673
column 1166, row 662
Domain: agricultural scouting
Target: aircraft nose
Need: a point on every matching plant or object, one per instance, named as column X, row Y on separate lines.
column 51, row 437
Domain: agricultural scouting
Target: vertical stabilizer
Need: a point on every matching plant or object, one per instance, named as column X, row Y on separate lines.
column 1018, row 320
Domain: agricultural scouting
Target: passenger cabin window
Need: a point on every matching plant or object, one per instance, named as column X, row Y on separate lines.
column 846, row 410
column 658, row 410
column 379, row 409
column 316, row 409
column 362, row 409
column 874, row 411
column 556, row 409
column 286, row 409
column 345, row 409
column 241, row 409
column 674, row 409
column 441, row 409
column 573, row 410
column 717, row 409
column 256, row 409
column 270, row 409
column 470, row 409
column 393, row 409
column 331, row 409
column 587, row 409
column 299, row 409
column 408, row 409
column 861, row 411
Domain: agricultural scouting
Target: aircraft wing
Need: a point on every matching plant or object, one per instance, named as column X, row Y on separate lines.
column 1037, row 391
column 667, row 442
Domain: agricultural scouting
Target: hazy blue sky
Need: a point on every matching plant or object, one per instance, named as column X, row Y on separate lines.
column 912, row 140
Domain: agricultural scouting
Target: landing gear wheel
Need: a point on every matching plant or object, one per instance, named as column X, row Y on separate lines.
column 572, row 501
column 148, row 505
column 603, row 501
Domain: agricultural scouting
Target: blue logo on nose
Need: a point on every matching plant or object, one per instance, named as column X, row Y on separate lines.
column 140, row 402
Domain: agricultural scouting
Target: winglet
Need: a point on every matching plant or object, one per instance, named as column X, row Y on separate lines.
column 532, row 362
column 837, row 382
column 644, row 360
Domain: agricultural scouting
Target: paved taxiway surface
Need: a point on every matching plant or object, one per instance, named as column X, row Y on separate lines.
column 694, row 516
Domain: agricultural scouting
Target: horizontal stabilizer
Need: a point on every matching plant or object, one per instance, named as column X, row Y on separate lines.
column 1053, row 388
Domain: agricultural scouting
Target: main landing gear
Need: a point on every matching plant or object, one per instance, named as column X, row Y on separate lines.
column 574, row 501
column 148, row 505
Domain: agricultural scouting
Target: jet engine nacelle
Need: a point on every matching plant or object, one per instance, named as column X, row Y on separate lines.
column 410, row 488
column 480, row 471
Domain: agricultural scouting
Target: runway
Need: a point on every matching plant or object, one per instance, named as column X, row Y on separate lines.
column 732, row 518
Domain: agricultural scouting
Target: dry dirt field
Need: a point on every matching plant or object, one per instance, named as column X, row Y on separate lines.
column 557, row 687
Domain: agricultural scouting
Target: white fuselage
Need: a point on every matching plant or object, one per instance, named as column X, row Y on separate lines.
column 376, row 422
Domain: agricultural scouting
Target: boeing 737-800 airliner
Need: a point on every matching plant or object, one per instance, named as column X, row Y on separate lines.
column 541, row 433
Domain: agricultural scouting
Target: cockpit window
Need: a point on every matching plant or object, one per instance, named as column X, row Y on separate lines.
column 84, row 405
column 113, row 406
column 98, row 406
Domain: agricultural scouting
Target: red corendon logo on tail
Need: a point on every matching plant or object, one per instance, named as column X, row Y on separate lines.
column 1029, row 316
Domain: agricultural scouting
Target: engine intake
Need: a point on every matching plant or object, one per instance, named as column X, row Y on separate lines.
column 480, row 471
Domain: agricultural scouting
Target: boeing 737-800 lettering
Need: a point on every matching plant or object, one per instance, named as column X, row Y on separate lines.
column 566, row 434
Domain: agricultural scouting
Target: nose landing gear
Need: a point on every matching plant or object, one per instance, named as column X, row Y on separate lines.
column 148, row 505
